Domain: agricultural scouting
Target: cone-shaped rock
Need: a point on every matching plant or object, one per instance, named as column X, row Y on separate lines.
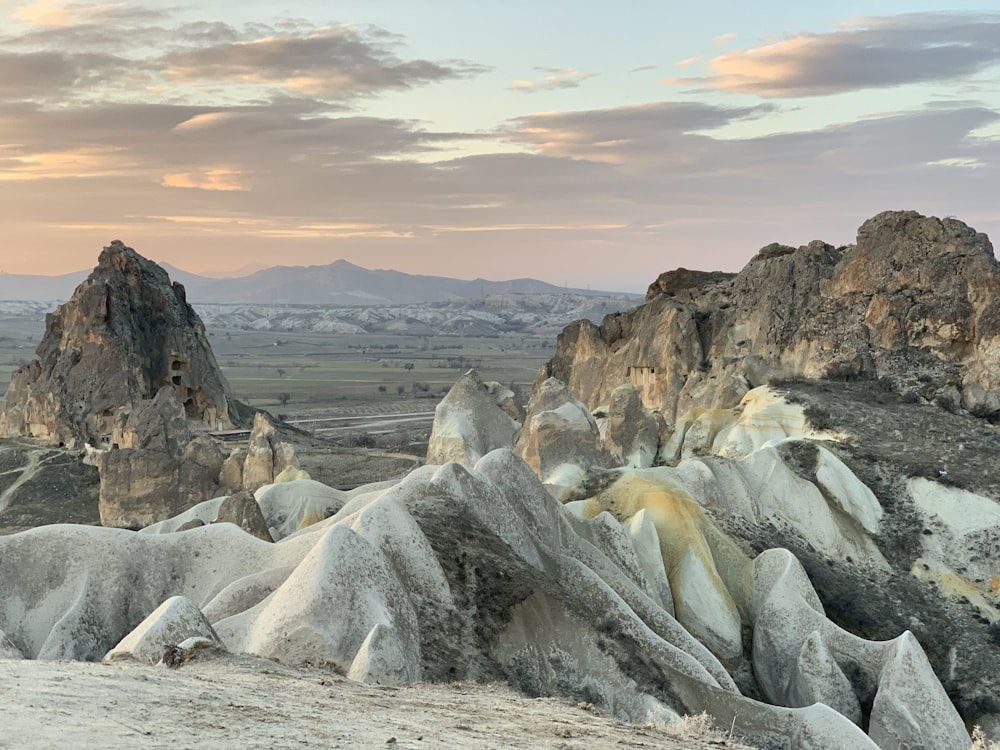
column 126, row 332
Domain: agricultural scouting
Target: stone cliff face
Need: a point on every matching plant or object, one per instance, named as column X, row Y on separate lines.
column 916, row 301
column 125, row 333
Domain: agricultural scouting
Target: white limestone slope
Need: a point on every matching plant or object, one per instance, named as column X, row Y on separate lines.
column 633, row 598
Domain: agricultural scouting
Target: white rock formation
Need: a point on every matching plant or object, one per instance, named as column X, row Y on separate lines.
column 478, row 573
column 470, row 422
column 173, row 622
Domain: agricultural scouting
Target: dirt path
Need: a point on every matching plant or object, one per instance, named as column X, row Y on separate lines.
column 252, row 703
column 28, row 471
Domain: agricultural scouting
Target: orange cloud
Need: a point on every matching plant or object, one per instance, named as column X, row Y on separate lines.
column 226, row 180
column 50, row 165
column 203, row 121
column 766, row 68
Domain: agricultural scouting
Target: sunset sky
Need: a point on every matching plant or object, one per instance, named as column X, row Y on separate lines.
column 586, row 142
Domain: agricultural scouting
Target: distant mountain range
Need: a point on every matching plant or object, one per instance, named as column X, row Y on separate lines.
column 339, row 283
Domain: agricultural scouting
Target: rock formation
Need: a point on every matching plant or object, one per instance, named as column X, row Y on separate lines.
column 265, row 459
column 553, row 601
column 916, row 301
column 472, row 420
column 810, row 562
column 124, row 334
column 159, row 468
column 683, row 280
column 560, row 439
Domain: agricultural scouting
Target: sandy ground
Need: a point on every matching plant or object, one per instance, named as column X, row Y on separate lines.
column 237, row 702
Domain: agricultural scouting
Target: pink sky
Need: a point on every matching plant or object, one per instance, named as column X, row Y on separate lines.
column 470, row 146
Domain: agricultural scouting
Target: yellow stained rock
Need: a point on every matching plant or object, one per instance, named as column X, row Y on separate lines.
column 701, row 563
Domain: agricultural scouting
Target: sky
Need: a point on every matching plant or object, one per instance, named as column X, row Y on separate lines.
column 584, row 142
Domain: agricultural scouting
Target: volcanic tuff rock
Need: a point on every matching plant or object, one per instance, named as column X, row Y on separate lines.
column 916, row 300
column 125, row 333
column 681, row 279
column 264, row 460
column 472, row 420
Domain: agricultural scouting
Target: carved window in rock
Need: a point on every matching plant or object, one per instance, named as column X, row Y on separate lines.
column 641, row 376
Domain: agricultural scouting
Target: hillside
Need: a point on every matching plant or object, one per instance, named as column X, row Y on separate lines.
column 339, row 283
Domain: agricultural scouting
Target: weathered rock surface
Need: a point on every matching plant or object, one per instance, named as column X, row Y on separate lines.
column 382, row 592
column 7, row 649
column 632, row 433
column 560, row 438
column 264, row 459
column 173, row 622
column 890, row 345
column 471, row 421
column 125, row 333
column 916, row 300
column 160, row 470
column 684, row 280
column 242, row 510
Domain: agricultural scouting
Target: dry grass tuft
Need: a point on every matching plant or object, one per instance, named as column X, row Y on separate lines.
column 979, row 741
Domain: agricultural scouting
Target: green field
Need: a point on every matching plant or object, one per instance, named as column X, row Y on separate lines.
column 18, row 338
column 321, row 370
column 313, row 371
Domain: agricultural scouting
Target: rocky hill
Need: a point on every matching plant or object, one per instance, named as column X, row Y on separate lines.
column 338, row 283
column 767, row 497
column 126, row 332
column 494, row 315
column 916, row 300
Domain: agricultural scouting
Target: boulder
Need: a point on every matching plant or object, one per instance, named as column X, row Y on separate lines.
column 560, row 439
column 126, row 333
column 173, row 622
column 242, row 510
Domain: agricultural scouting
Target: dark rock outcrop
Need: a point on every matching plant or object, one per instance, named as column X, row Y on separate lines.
column 242, row 509
column 683, row 279
column 125, row 333
column 156, row 469
column 915, row 301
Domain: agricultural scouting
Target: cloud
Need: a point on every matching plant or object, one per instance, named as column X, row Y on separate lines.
column 625, row 191
column 54, row 60
column 335, row 61
column 637, row 135
column 207, row 138
column 868, row 53
column 558, row 78
column 55, row 13
column 687, row 62
column 217, row 178
column 50, row 74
